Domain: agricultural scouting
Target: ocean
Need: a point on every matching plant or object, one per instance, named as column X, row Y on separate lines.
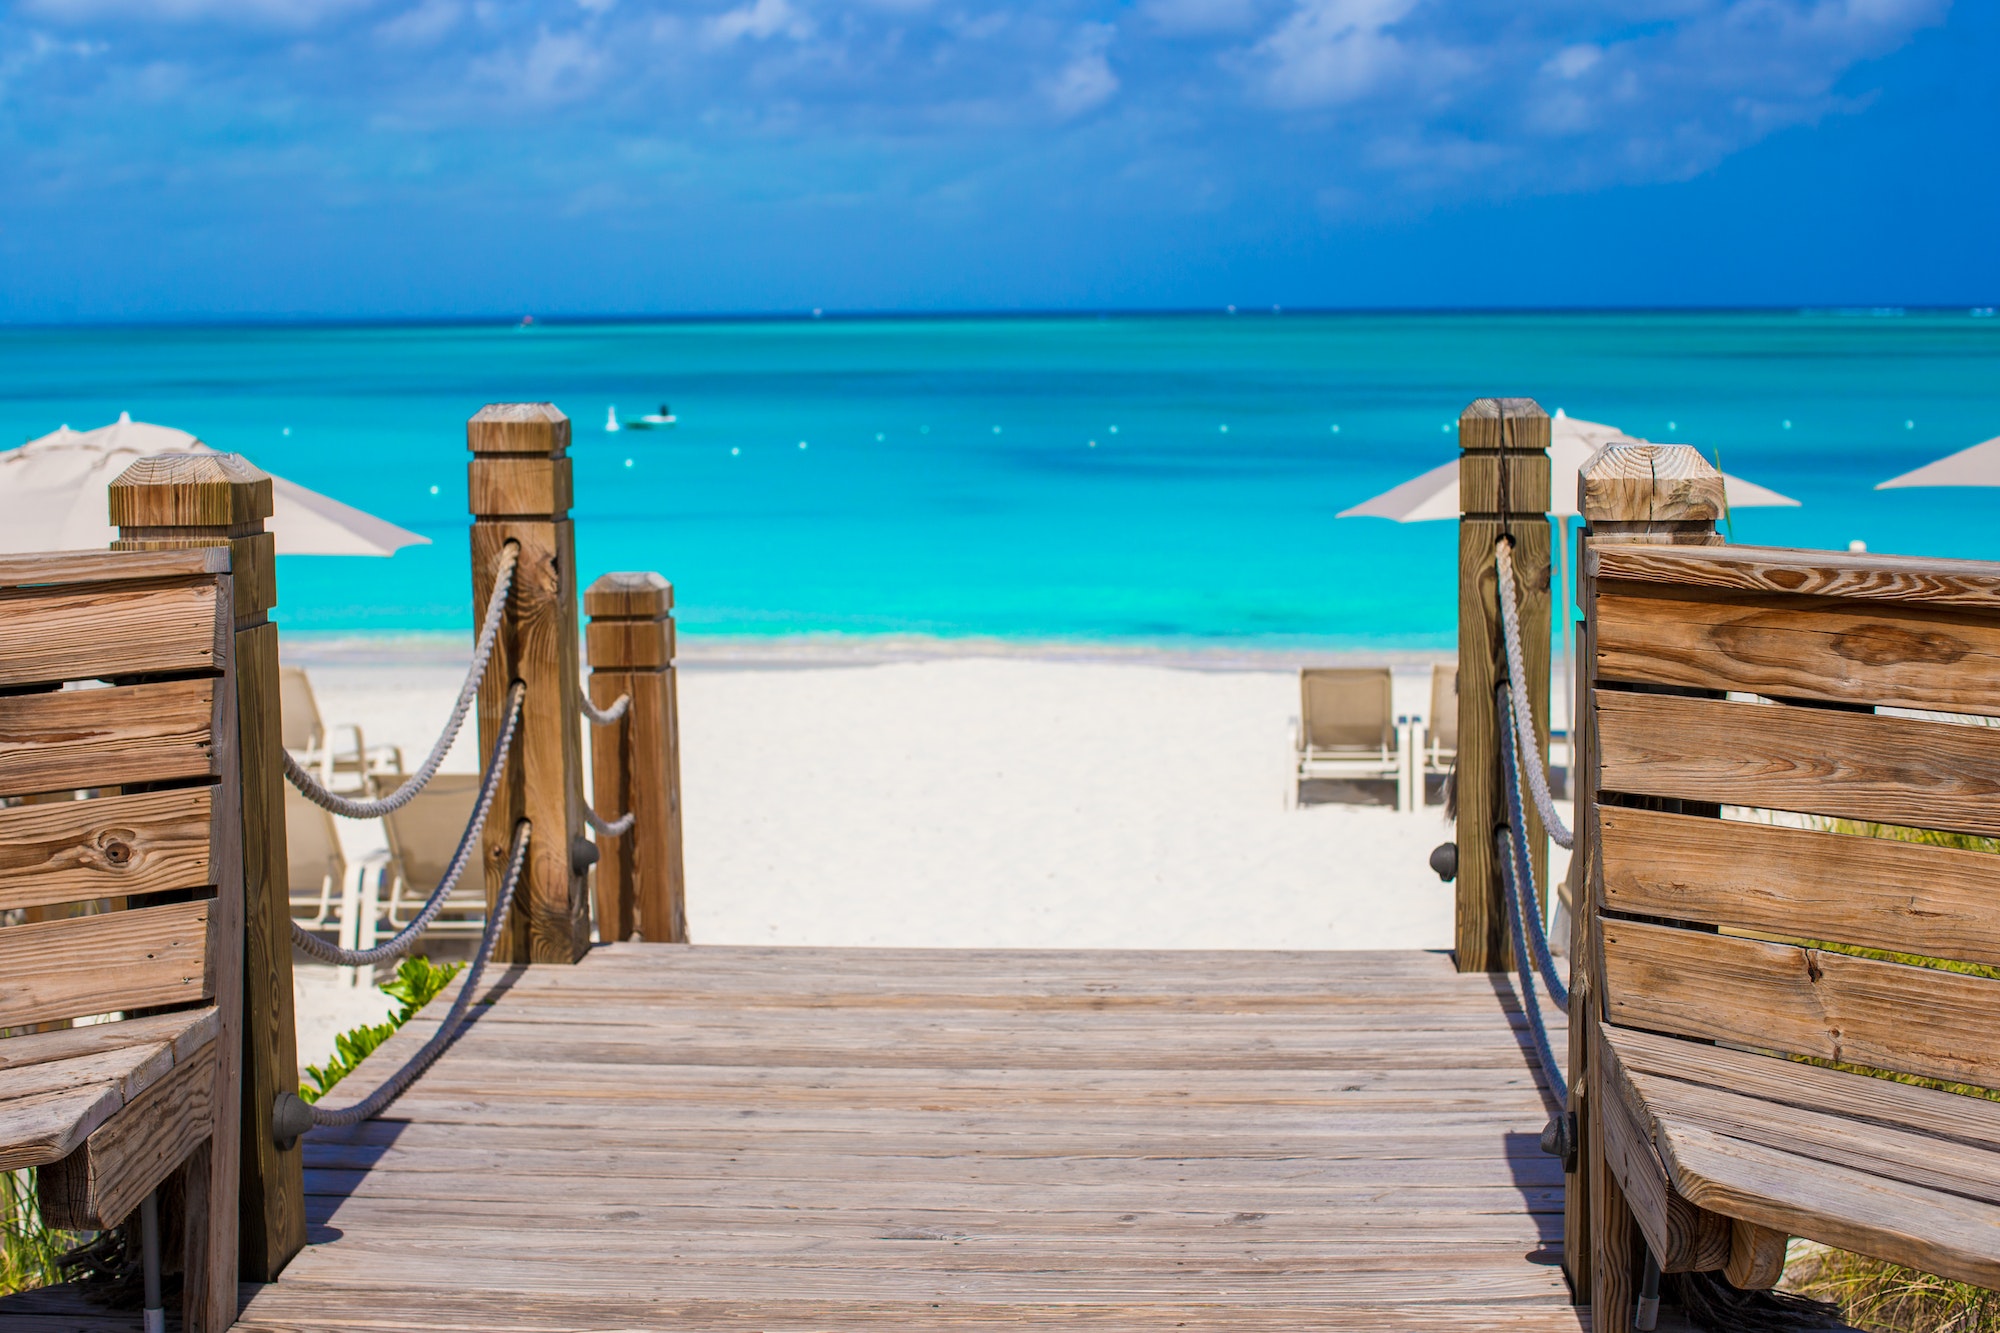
column 1138, row 480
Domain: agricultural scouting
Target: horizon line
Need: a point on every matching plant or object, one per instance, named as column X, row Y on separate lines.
column 856, row 316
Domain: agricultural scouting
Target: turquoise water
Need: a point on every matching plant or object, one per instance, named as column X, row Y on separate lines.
column 949, row 485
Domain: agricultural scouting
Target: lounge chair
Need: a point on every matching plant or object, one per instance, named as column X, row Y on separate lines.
column 1347, row 724
column 422, row 836
column 311, row 742
column 1441, row 726
column 317, row 867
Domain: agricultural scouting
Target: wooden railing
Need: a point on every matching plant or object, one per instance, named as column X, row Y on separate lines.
column 1503, row 486
column 1770, row 739
column 122, row 858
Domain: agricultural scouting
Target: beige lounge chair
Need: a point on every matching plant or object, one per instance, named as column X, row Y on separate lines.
column 1347, row 724
column 311, row 743
column 317, row 869
column 422, row 836
column 1441, row 725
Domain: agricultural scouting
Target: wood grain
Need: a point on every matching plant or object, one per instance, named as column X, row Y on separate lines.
column 1634, row 482
column 87, row 633
column 59, row 568
column 109, row 846
column 1947, row 659
column 539, row 646
column 1889, row 769
column 1756, row 1256
column 97, row 964
column 1684, row 1238
column 190, row 490
column 1801, row 1001
column 640, row 644
column 1062, row 1160
column 1851, row 1210
column 1875, row 892
column 519, row 486
column 1972, row 584
column 98, row 1185
column 91, row 738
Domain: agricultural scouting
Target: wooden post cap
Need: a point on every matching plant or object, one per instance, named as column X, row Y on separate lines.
column 629, row 596
column 1629, row 482
column 1517, row 427
column 518, row 428
column 191, row 491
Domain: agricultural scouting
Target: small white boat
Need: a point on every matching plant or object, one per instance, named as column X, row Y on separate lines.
column 660, row 420
column 611, row 420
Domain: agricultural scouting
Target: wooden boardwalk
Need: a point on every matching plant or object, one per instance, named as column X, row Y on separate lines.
column 667, row 1137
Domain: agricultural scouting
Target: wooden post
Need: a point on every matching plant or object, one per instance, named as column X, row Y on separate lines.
column 190, row 500
column 520, row 492
column 1519, row 429
column 636, row 762
column 1658, row 493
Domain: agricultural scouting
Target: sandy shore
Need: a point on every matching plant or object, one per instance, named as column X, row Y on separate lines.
column 1018, row 801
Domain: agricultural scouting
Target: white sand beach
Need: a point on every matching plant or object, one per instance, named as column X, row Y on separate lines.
column 1009, row 801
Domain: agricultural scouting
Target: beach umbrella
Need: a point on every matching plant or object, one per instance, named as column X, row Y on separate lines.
column 53, row 496
column 1434, row 494
column 1976, row 466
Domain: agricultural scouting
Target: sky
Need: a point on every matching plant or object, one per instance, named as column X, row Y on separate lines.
column 224, row 159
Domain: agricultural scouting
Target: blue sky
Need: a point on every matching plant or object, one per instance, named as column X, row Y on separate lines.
column 171, row 159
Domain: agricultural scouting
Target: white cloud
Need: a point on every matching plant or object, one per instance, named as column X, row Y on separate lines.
column 424, row 25
column 555, row 67
column 1086, row 82
column 760, row 19
column 1332, row 51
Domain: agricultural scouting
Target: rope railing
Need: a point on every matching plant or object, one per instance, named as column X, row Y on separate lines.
column 288, row 1112
column 1523, row 864
column 482, row 653
column 1523, row 716
column 1524, row 919
column 610, row 828
column 406, row 938
column 604, row 717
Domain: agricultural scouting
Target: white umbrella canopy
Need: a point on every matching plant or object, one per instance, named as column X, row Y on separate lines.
column 1976, row 466
column 54, row 496
column 1571, row 443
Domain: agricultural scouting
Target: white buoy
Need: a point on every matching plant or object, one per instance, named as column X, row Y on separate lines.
column 1858, row 547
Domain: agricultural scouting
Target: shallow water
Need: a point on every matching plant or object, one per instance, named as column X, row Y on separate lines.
column 1168, row 480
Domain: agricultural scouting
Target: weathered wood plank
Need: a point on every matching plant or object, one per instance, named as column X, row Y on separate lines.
column 1934, row 901
column 1852, row 1210
column 39, row 1129
column 1858, row 766
column 107, row 847
column 1912, row 1020
column 1801, row 647
column 106, row 737
column 121, row 630
column 1756, row 1256
column 1973, row 584
column 1684, row 1238
column 183, row 1030
column 61, row 568
column 98, row 1185
column 1971, row 1120
column 97, row 964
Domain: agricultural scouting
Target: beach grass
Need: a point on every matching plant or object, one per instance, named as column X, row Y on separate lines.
column 416, row 984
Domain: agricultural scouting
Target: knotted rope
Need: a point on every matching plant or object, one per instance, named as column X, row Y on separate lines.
column 1531, row 1004
column 482, row 653
column 1524, row 922
column 604, row 717
column 406, row 938
column 372, row 1105
column 1523, row 717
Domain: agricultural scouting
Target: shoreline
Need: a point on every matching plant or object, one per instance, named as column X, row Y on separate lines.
column 779, row 651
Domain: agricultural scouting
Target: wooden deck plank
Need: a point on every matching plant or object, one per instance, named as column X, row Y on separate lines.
column 819, row 1139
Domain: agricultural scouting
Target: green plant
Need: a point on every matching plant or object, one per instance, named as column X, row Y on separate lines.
column 1890, row 1298
column 416, row 984
column 30, row 1252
